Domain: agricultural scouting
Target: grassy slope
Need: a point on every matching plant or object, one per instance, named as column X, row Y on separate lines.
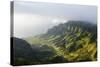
column 74, row 44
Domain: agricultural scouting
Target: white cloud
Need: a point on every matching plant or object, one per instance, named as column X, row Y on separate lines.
column 32, row 18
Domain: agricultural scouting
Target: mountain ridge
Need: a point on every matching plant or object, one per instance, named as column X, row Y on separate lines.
column 73, row 41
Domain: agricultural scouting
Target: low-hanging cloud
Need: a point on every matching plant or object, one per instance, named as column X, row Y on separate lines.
column 32, row 18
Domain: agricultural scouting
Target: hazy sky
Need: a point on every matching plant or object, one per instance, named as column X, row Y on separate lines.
column 31, row 18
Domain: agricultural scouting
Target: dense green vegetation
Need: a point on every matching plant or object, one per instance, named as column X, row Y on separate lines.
column 73, row 41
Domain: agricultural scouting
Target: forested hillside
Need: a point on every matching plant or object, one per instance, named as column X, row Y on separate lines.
column 72, row 41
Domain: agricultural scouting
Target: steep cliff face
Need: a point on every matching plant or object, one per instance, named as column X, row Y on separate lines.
column 73, row 40
column 68, row 42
